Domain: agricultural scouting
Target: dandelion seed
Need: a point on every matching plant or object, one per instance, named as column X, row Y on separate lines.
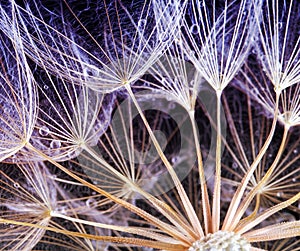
column 130, row 175
column 18, row 98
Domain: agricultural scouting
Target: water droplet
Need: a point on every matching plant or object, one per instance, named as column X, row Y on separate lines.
column 14, row 158
column 280, row 24
column 294, row 179
column 44, row 131
column 264, row 59
column 178, row 41
column 175, row 159
column 255, row 91
column 91, row 202
column 62, row 209
column 164, row 37
column 46, row 87
column 194, row 29
column 6, row 110
column 17, row 185
column 234, row 165
column 55, row 144
column 142, row 24
column 171, row 105
column 279, row 194
column 295, row 151
column 190, row 53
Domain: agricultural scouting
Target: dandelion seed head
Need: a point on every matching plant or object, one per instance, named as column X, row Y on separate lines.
column 221, row 241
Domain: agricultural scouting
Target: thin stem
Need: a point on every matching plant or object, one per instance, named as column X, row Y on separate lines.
column 204, row 191
column 253, row 192
column 271, row 211
column 163, row 208
column 217, row 187
column 183, row 196
column 240, row 190
column 109, row 239
column 132, row 230
column 143, row 214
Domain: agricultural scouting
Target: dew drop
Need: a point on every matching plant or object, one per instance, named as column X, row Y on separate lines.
column 17, row 185
column 194, row 29
column 255, row 91
column 55, row 144
column 234, row 165
column 264, row 60
column 279, row 194
column 171, row 105
column 6, row 110
column 142, row 24
column 14, row 158
column 175, row 159
column 62, row 209
column 178, row 41
column 46, row 87
column 44, row 131
column 163, row 37
column 91, row 202
column 295, row 151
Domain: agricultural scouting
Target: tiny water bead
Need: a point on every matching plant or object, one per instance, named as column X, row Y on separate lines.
column 142, row 24
column 164, row 37
column 55, row 144
column 221, row 241
column 175, row 159
column 171, row 105
column 6, row 110
column 17, row 185
column 91, row 202
column 62, row 209
column 44, row 131
column 235, row 165
column 279, row 194
column 194, row 29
